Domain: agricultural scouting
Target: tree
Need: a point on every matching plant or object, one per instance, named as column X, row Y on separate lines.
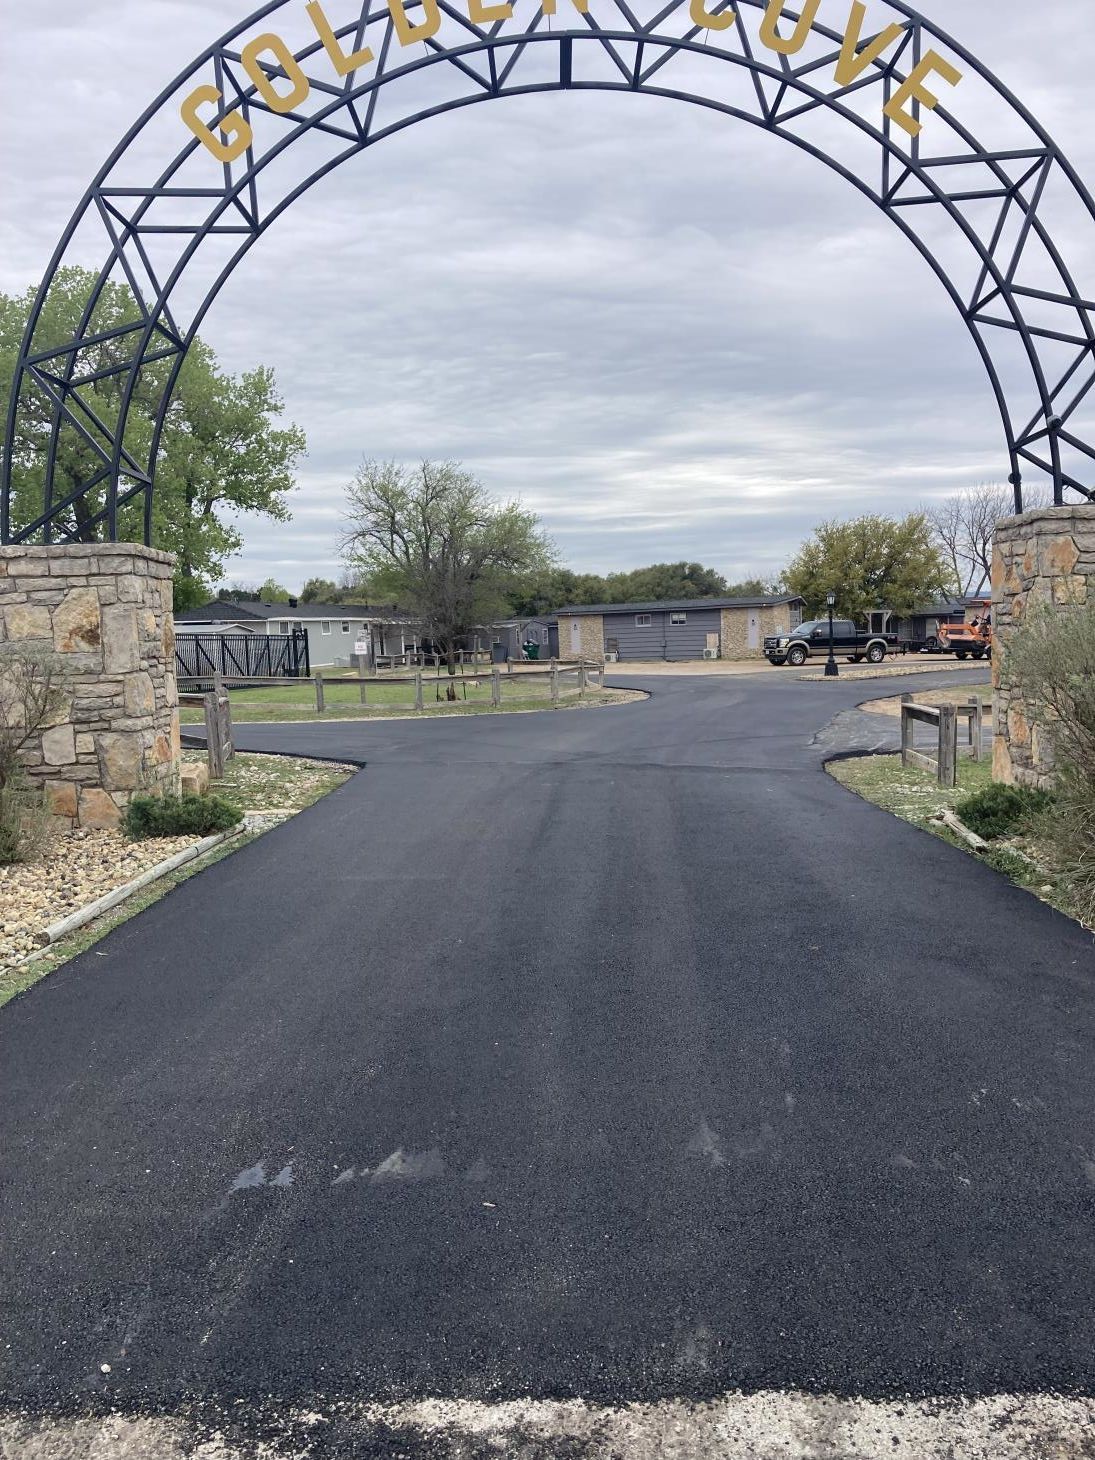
column 871, row 562
column 964, row 526
column 320, row 590
column 430, row 538
column 272, row 592
column 554, row 588
column 219, row 450
column 663, row 581
column 33, row 693
column 754, row 588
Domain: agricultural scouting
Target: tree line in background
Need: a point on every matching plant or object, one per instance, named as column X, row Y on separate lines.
column 429, row 537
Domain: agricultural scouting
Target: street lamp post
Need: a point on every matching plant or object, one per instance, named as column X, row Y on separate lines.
column 831, row 666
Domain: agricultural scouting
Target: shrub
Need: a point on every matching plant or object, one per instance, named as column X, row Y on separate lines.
column 1051, row 662
column 32, row 694
column 1001, row 810
column 24, row 820
column 148, row 816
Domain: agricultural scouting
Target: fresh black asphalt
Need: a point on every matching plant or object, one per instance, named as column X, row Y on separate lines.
column 618, row 1053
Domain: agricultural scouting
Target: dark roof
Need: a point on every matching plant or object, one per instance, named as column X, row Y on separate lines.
column 221, row 610
column 216, row 612
column 675, row 605
column 948, row 605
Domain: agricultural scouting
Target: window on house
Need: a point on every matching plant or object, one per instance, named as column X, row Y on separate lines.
column 642, row 620
column 345, row 627
column 678, row 618
column 325, row 626
column 284, row 626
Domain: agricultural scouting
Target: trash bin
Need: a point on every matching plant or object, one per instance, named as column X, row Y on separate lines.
column 532, row 651
column 498, row 654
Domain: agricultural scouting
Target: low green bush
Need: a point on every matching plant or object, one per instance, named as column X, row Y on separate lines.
column 1000, row 810
column 24, row 820
column 148, row 816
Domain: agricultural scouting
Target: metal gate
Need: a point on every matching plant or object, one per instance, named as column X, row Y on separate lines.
column 242, row 656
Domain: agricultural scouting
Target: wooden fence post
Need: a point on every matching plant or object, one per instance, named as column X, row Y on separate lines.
column 583, row 682
column 976, row 719
column 418, row 703
column 495, row 686
column 948, row 745
column 321, row 701
column 906, row 730
column 361, row 676
column 555, row 684
column 213, row 741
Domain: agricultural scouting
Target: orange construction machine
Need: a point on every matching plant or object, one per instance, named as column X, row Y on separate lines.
column 974, row 637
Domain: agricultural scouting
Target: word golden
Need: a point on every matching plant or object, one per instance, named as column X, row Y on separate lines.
column 269, row 51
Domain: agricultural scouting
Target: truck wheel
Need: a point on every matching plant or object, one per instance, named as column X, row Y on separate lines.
column 876, row 653
column 855, row 658
column 932, row 645
column 978, row 653
column 959, row 653
column 797, row 656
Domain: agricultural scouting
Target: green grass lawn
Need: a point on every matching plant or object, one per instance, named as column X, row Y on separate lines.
column 908, row 792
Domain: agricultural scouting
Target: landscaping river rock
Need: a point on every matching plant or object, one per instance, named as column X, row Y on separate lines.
column 75, row 868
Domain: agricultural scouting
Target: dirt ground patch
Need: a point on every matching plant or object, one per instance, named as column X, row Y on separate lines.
column 959, row 694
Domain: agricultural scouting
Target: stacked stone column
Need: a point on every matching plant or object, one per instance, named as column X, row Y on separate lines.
column 104, row 610
column 1046, row 556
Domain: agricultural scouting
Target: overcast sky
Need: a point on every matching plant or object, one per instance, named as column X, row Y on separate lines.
column 670, row 334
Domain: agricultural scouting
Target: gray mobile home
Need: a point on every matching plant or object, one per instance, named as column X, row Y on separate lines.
column 333, row 630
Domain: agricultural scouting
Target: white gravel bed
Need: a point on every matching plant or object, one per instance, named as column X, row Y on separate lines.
column 76, row 868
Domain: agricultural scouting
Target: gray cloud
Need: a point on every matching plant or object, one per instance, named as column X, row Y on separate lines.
column 670, row 334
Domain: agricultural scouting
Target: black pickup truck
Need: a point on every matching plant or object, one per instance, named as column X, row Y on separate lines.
column 811, row 640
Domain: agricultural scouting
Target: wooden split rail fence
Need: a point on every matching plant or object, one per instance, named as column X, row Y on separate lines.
column 218, row 724
column 583, row 674
column 943, row 760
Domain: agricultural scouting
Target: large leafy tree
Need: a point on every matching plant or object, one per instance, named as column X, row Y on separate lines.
column 870, row 562
column 559, row 587
column 430, row 538
column 319, row 590
column 665, row 581
column 221, row 452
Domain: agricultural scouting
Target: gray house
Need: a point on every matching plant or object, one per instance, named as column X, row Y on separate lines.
column 334, row 631
column 691, row 628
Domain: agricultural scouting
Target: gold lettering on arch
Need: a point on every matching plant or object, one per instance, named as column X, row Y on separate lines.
column 232, row 136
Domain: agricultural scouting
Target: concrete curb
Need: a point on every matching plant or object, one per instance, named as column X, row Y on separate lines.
column 56, row 931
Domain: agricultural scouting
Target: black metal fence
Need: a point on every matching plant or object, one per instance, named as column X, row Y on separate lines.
column 242, row 656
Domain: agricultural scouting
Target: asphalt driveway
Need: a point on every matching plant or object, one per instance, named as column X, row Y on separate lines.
column 613, row 1053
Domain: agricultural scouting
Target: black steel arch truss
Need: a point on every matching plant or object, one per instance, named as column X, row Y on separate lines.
column 982, row 208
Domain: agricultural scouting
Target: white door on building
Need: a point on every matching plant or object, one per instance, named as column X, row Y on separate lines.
column 576, row 637
column 753, row 633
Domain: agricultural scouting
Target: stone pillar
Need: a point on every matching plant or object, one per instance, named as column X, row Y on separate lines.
column 1047, row 555
column 105, row 610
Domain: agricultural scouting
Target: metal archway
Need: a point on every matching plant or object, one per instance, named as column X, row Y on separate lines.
column 171, row 221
